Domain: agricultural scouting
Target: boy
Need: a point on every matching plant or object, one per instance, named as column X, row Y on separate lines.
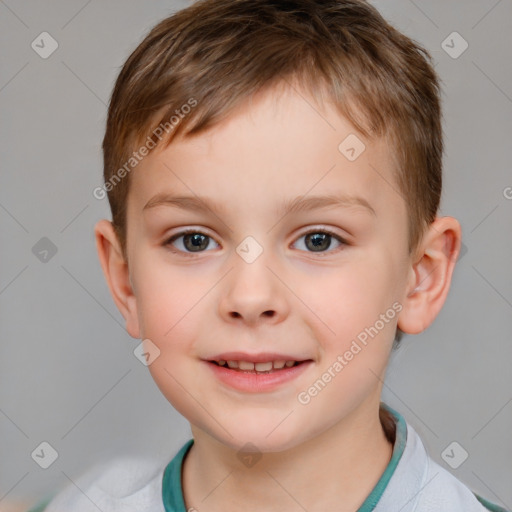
column 274, row 174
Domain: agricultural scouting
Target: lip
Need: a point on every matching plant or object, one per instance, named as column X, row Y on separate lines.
column 261, row 357
column 257, row 383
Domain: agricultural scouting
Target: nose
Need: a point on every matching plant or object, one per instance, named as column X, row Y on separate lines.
column 253, row 293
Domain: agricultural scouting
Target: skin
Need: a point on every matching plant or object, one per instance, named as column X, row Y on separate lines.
column 327, row 454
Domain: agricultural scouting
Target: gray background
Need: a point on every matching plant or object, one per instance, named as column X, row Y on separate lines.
column 68, row 373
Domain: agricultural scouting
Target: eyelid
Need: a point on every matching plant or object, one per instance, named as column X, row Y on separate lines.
column 320, row 228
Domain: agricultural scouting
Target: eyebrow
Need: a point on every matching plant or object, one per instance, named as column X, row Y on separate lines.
column 296, row 205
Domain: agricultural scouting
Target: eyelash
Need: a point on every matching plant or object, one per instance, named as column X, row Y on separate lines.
column 168, row 242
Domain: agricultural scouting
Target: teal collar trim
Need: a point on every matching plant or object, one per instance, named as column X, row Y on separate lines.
column 172, row 493
column 398, row 449
column 41, row 505
column 488, row 505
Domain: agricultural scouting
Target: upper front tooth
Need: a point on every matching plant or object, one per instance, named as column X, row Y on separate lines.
column 263, row 367
column 260, row 367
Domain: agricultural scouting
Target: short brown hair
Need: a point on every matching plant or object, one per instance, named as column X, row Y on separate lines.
column 220, row 52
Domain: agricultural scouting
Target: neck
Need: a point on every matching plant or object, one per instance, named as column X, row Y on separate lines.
column 341, row 465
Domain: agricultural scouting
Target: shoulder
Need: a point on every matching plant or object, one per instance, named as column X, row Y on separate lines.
column 446, row 488
column 125, row 484
column 440, row 488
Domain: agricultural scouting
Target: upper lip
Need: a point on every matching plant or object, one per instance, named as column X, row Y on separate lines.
column 261, row 357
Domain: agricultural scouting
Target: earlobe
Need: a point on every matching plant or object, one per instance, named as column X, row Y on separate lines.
column 430, row 276
column 115, row 269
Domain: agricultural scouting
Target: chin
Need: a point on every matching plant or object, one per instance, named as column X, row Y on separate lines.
column 263, row 437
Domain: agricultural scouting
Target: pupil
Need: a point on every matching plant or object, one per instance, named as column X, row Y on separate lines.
column 198, row 240
column 319, row 240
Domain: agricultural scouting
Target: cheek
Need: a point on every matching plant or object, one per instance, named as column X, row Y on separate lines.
column 170, row 313
column 348, row 299
column 166, row 298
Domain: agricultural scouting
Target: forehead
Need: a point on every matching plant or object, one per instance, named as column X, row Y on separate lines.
column 278, row 146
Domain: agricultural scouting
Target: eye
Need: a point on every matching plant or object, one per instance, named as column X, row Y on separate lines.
column 319, row 240
column 193, row 241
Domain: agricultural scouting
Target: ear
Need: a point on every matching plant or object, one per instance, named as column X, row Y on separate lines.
column 430, row 276
column 116, row 273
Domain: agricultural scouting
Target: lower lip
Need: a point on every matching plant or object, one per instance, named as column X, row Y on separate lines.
column 257, row 382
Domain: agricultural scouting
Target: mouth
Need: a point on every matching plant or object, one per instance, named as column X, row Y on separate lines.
column 257, row 373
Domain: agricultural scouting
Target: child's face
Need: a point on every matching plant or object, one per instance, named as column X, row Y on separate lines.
column 292, row 300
